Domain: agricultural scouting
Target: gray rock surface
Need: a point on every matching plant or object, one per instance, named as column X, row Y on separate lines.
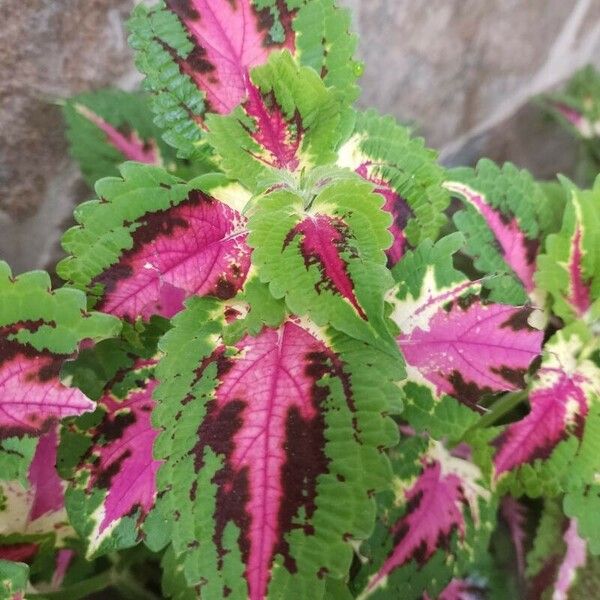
column 460, row 71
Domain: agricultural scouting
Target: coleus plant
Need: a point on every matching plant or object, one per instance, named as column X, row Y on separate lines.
column 293, row 356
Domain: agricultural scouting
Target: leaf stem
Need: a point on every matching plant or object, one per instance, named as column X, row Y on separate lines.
column 500, row 408
column 81, row 589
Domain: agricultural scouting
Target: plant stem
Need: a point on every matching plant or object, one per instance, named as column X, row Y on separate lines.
column 500, row 408
column 81, row 589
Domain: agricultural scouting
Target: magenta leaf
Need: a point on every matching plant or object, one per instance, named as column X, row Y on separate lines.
column 451, row 338
column 575, row 558
column 114, row 485
column 36, row 507
column 468, row 349
column 40, row 328
column 560, row 400
column 442, row 503
column 229, row 39
column 32, row 397
column 257, row 477
column 196, row 248
column 46, row 485
column 152, row 241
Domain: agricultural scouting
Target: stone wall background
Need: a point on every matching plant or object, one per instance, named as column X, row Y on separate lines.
column 461, row 71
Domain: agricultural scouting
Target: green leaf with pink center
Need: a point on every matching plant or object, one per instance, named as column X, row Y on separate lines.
column 561, row 395
column 431, row 526
column 501, row 223
column 197, row 55
column 568, row 269
column 260, row 436
column 40, row 328
column 107, row 457
column 289, row 121
column 108, row 127
column 450, row 337
column 325, row 255
column 404, row 172
column 152, row 240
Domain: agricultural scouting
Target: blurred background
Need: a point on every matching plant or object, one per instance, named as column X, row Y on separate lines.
column 461, row 72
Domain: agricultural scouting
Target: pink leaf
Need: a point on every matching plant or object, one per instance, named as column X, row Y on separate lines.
column 46, row 485
column 558, row 407
column 121, row 460
column 63, row 561
column 196, row 248
column 435, row 510
column 266, row 420
column 396, row 206
column 279, row 142
column 579, row 296
column 575, row 557
column 32, row 397
column 580, row 122
column 130, row 145
column 518, row 252
column 20, row 552
column 230, row 37
column 469, row 348
column 324, row 243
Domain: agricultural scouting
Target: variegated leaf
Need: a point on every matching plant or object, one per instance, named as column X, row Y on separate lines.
column 578, row 106
column 39, row 329
column 404, row 172
column 36, row 507
column 557, row 557
column 114, row 483
column 260, row 438
column 568, row 269
column 560, row 396
column 152, row 240
column 501, row 224
column 451, row 338
column 290, row 122
column 326, row 257
column 441, row 507
column 109, row 127
column 197, row 55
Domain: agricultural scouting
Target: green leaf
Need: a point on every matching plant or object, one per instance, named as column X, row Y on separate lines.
column 501, row 224
column 443, row 418
column 108, row 127
column 326, row 257
column 55, row 320
column 201, row 417
column 13, row 579
column 15, row 457
column 385, row 153
column 290, row 121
